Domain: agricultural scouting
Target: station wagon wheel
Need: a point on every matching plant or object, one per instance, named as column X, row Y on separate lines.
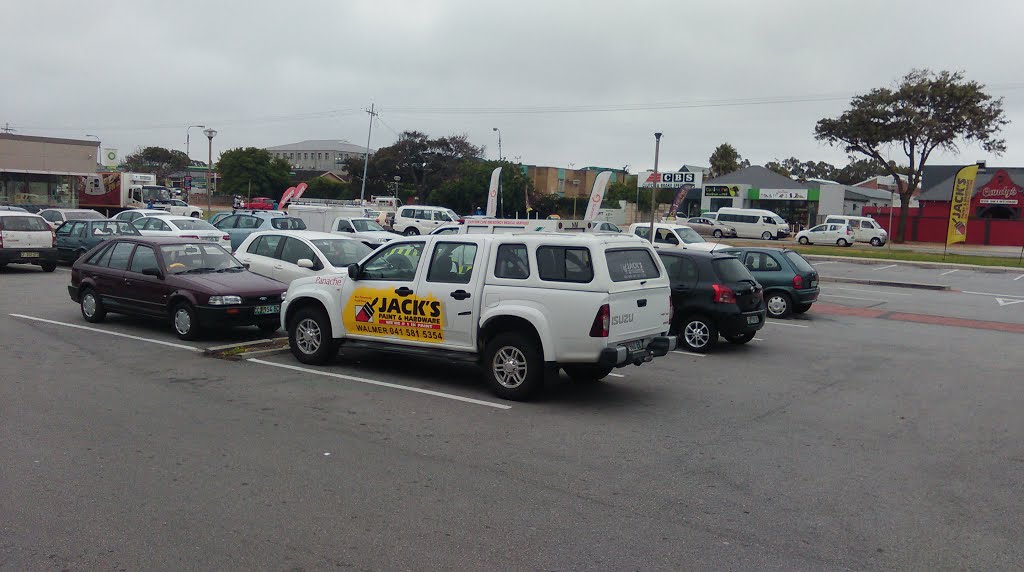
column 842, row 242
column 803, row 240
column 876, row 241
column 699, row 334
column 515, row 365
column 778, row 304
column 92, row 309
column 310, row 338
column 717, row 233
column 766, row 235
column 186, row 325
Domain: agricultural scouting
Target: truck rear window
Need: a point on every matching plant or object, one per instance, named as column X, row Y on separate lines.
column 24, row 224
column 631, row 264
column 564, row 264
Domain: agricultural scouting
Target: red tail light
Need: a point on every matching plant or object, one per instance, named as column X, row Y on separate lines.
column 599, row 329
column 849, row 230
column 53, row 236
column 723, row 294
column 226, row 237
column 798, row 282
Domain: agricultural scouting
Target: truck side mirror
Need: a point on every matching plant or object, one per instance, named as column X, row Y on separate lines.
column 353, row 271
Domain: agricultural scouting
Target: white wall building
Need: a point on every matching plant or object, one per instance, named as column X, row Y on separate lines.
column 318, row 154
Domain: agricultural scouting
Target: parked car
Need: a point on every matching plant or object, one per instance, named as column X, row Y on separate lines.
column 285, row 255
column 753, row 223
column 790, row 282
column 180, row 207
column 422, row 220
column 12, row 208
column 132, row 215
column 712, row 295
column 76, row 237
column 364, row 229
column 865, row 229
column 240, row 225
column 182, row 227
column 837, row 234
column 57, row 217
column 673, row 235
column 261, row 204
column 197, row 285
column 217, row 217
column 604, row 226
column 710, row 227
column 446, row 229
column 27, row 238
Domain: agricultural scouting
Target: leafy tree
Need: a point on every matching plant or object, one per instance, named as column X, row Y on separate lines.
column 467, row 188
column 157, row 160
column 726, row 159
column 859, row 170
column 238, row 167
column 324, row 188
column 925, row 111
column 777, row 167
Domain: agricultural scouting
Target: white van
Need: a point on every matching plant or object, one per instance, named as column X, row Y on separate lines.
column 411, row 220
column 754, row 223
column 321, row 215
column 865, row 229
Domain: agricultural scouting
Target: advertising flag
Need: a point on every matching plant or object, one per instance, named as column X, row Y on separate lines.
column 492, row 194
column 959, row 207
column 299, row 190
column 287, row 196
column 597, row 195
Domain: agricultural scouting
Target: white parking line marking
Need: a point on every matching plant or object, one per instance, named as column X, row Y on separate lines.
column 688, row 353
column 616, row 375
column 758, row 339
column 950, row 272
column 868, row 291
column 381, row 383
column 785, row 324
column 853, row 298
column 824, row 262
column 991, row 294
column 118, row 334
column 1018, row 278
column 884, row 267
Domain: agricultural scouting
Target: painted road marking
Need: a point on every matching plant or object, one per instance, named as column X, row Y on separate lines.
column 1018, row 278
column 950, row 272
column 381, row 383
column 774, row 323
column 991, row 294
column 869, row 291
column 884, row 267
column 109, row 333
column 758, row 339
column 1004, row 302
column 238, row 345
column 688, row 353
column 616, row 375
column 824, row 262
column 853, row 298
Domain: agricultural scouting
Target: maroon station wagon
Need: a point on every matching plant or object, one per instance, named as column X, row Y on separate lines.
column 195, row 284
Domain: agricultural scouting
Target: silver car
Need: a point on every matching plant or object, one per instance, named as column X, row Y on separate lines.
column 710, row 227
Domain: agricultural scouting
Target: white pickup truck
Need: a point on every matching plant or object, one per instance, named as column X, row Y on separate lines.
column 179, row 207
column 522, row 305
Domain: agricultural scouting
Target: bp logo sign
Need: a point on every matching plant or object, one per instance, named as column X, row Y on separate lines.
column 111, row 155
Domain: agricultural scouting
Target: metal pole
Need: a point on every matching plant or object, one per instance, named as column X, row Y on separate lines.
column 209, row 180
column 654, row 189
column 892, row 199
column 366, row 157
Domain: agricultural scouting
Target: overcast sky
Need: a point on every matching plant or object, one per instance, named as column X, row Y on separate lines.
column 137, row 73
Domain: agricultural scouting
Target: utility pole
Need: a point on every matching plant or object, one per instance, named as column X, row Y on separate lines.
column 366, row 158
column 654, row 189
column 7, row 128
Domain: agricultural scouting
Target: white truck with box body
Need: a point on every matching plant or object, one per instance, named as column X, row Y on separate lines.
column 522, row 305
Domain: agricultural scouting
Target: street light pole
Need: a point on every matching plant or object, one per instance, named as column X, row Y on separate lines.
column 210, row 134
column 501, row 191
column 654, row 189
column 99, row 145
column 187, row 139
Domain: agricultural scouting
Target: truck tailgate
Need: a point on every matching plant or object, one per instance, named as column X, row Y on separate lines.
column 637, row 312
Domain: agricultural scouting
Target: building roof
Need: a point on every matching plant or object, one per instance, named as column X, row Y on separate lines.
column 758, row 177
column 321, row 145
column 934, row 176
column 943, row 190
column 33, row 139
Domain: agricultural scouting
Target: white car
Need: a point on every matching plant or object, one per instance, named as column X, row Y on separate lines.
column 837, row 234
column 865, row 229
column 182, row 227
column 26, row 238
column 673, row 235
column 180, row 207
column 132, row 215
column 57, row 217
column 286, row 255
column 414, row 220
column 364, row 229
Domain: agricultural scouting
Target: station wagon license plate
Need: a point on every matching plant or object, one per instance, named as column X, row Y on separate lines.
column 753, row 319
column 814, row 283
column 635, row 345
column 264, row 310
column 30, row 255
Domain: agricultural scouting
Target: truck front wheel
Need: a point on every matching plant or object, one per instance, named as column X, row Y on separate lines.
column 515, row 366
column 309, row 336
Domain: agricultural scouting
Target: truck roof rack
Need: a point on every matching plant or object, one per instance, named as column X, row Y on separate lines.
column 328, row 202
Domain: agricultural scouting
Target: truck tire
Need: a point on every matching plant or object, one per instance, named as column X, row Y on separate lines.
column 514, row 366
column 587, row 372
column 310, row 338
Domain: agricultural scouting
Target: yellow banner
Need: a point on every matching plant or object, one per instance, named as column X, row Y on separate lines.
column 381, row 312
column 960, row 206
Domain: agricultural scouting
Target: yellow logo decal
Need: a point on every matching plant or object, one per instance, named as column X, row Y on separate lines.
column 381, row 312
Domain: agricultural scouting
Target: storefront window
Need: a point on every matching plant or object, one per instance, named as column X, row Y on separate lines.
column 35, row 189
column 719, row 203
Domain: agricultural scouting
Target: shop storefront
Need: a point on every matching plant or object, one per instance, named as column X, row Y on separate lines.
column 44, row 171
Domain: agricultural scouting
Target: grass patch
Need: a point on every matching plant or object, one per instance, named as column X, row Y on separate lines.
column 909, row 256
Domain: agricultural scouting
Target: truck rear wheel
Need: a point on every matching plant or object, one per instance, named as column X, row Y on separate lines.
column 515, row 366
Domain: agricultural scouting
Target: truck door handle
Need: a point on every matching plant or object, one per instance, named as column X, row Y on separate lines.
column 403, row 291
column 641, row 303
column 460, row 294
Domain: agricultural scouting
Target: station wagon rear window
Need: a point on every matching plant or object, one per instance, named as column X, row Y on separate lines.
column 631, row 264
column 564, row 264
column 24, row 224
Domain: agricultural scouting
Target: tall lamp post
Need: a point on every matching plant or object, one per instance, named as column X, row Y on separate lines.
column 210, row 134
column 187, row 139
column 501, row 192
column 99, row 144
column 654, row 189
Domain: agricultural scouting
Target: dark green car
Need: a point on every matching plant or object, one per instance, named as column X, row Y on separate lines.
column 790, row 282
column 76, row 237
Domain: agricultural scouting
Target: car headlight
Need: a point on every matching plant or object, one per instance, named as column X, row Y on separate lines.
column 224, row 300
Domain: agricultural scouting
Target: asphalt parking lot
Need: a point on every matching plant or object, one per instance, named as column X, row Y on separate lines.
column 859, row 436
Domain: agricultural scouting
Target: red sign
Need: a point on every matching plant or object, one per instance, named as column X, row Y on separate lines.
column 1000, row 190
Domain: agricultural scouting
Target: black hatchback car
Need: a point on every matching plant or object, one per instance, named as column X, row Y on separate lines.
column 790, row 282
column 712, row 295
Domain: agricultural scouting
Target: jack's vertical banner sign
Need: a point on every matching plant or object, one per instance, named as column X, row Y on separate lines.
column 960, row 206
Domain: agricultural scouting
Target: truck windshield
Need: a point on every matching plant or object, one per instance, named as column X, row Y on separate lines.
column 155, row 193
column 366, row 225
